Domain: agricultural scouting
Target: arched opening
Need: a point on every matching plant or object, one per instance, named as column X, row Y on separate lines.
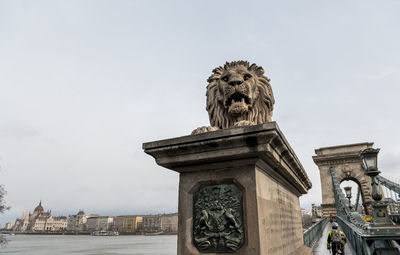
column 357, row 198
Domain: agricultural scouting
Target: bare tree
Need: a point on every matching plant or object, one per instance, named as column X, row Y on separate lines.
column 3, row 207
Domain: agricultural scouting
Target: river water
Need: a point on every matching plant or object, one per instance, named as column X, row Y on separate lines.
column 90, row 245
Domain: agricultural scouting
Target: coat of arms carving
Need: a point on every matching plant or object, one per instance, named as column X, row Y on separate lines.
column 347, row 170
column 218, row 218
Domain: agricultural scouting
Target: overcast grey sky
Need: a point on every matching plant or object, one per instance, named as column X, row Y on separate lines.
column 84, row 83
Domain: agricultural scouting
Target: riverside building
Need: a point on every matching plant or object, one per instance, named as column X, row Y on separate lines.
column 40, row 221
column 77, row 222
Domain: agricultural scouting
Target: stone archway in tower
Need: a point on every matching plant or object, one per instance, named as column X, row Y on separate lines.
column 356, row 187
column 346, row 163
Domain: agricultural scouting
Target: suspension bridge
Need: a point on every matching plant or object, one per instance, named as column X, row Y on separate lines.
column 372, row 224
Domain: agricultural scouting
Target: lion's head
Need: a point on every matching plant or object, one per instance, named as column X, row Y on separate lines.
column 239, row 94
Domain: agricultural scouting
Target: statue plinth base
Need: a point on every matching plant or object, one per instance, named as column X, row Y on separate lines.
column 239, row 191
column 381, row 221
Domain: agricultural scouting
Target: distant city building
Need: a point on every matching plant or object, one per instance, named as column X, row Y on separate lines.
column 152, row 223
column 104, row 223
column 132, row 223
column 10, row 225
column 77, row 222
column 21, row 225
column 73, row 221
column 118, row 223
column 39, row 221
column 169, row 223
column 91, row 224
column 99, row 223
column 316, row 210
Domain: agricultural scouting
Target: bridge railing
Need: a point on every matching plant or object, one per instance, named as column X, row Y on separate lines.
column 313, row 233
column 354, row 237
column 395, row 217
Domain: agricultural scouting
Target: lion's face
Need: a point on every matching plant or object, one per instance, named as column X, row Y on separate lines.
column 239, row 94
column 238, row 89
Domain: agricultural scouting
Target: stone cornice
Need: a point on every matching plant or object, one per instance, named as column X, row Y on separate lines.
column 340, row 154
column 320, row 151
column 335, row 159
column 240, row 145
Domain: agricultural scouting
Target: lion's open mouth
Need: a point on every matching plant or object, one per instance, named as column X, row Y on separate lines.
column 237, row 98
column 238, row 104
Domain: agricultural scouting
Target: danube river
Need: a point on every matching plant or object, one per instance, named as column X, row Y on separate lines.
column 90, row 245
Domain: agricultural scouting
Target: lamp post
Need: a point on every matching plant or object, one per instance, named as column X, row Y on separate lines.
column 370, row 164
column 348, row 195
column 380, row 216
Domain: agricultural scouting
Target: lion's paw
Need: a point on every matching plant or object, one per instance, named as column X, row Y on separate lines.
column 244, row 123
column 204, row 129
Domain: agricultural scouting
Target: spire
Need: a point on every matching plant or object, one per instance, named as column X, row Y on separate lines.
column 39, row 208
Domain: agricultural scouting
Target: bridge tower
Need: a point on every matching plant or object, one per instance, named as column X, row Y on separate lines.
column 347, row 165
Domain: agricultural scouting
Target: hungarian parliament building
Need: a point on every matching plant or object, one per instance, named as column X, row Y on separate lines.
column 39, row 221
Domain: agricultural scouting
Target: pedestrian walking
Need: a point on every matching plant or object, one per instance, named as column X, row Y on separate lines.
column 336, row 240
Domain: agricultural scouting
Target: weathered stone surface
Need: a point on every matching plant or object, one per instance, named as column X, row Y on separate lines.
column 279, row 216
column 347, row 165
column 260, row 162
column 238, row 94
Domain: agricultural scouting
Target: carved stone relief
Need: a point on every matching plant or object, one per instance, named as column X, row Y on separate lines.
column 218, row 218
column 347, row 170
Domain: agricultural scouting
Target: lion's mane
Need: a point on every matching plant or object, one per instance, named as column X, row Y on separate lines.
column 259, row 113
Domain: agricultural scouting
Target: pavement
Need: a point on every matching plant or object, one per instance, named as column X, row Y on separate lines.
column 320, row 246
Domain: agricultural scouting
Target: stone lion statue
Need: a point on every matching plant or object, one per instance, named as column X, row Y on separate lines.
column 238, row 94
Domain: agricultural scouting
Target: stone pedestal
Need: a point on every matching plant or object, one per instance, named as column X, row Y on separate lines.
column 238, row 191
